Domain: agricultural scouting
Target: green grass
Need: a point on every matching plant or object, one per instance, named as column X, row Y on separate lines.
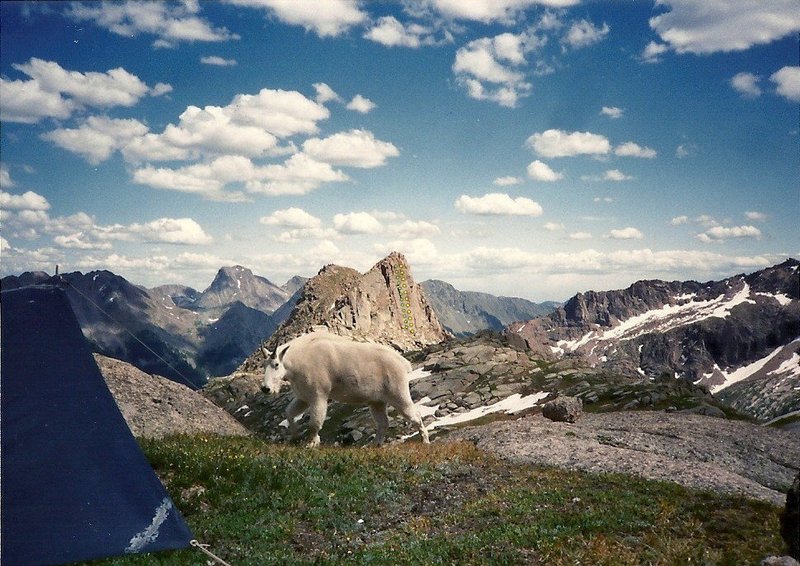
column 260, row 503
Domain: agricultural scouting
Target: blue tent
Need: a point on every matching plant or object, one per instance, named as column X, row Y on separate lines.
column 75, row 485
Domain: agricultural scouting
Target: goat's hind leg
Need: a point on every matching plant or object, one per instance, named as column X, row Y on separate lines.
column 318, row 408
column 381, row 419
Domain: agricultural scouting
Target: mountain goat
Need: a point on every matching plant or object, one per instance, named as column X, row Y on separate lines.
column 321, row 366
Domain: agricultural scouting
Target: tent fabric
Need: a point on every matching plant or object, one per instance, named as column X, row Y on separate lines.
column 75, row 485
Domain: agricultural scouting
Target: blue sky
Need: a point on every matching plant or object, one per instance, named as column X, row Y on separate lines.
column 517, row 147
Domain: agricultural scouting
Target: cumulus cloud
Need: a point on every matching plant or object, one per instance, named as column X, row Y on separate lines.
column 723, row 233
column 653, row 51
column 708, row 27
column 293, row 218
column 389, row 31
column 558, row 143
column 26, row 201
column 679, row 220
column 507, row 181
column 357, row 223
column 182, row 231
column 616, row 175
column 327, row 19
column 580, row 236
column 787, row 83
column 170, row 22
column 584, row 33
column 98, row 137
column 218, row 61
column 299, row 174
column 325, row 93
column 488, row 68
column 498, row 204
column 354, row 148
column 540, row 171
column 746, row 84
column 612, row 112
column 553, row 226
column 631, row 149
column 54, row 92
column 361, row 104
column 628, row 233
column 487, row 11
column 5, row 178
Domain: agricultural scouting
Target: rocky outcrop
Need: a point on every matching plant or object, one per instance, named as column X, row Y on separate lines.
column 563, row 409
column 727, row 456
column 384, row 305
column 155, row 407
column 790, row 519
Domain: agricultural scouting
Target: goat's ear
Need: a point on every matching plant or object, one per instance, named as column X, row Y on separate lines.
column 281, row 352
column 267, row 353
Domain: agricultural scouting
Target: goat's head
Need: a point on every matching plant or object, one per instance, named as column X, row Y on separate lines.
column 274, row 371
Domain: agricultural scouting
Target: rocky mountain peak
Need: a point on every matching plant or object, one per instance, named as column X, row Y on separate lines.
column 383, row 305
column 237, row 283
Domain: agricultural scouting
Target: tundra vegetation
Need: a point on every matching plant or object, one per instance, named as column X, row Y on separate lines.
column 256, row 502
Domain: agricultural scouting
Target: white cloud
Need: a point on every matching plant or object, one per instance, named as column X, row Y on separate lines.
column 685, row 150
column 699, row 27
column 722, row 233
column 487, row 11
column 54, row 92
column 357, row 223
column 5, row 178
column 653, row 51
column 81, row 241
column 160, row 89
column 249, row 126
column 631, row 149
column 507, row 181
column 580, row 236
column 361, row 104
column 553, row 226
column 584, row 33
column 540, row 171
column 98, row 137
column 293, row 218
column 182, row 231
column 628, row 233
column 327, row 19
column 26, row 201
column 414, row 229
column 389, row 31
column 746, row 84
column 170, row 22
column 418, row 251
column 679, row 220
column 616, row 175
column 325, row 93
column 558, row 143
column 354, row 148
column 755, row 216
column 612, row 112
column 787, row 82
column 487, row 69
column 218, row 61
column 299, row 174
column 498, row 204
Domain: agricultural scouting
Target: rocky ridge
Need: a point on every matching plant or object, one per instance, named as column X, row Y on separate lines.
column 383, row 305
column 701, row 332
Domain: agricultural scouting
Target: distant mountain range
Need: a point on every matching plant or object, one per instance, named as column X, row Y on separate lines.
column 739, row 337
column 464, row 313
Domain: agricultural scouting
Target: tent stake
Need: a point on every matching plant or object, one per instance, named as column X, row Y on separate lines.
column 204, row 549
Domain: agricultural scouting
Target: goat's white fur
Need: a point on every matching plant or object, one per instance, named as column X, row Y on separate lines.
column 321, row 366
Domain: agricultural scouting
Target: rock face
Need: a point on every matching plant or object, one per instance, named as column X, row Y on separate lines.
column 463, row 313
column 714, row 334
column 384, row 305
column 696, row 451
column 563, row 409
column 239, row 284
column 155, row 407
